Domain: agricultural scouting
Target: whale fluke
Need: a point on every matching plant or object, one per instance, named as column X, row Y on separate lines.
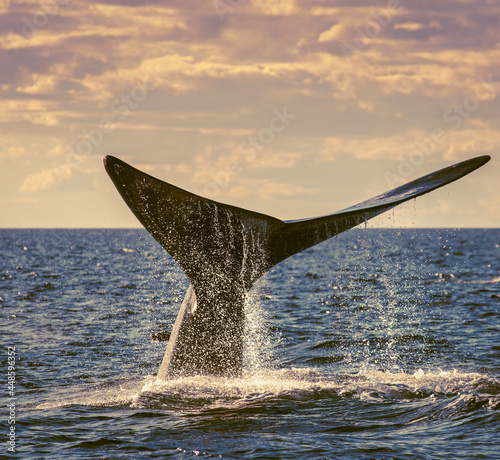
column 224, row 250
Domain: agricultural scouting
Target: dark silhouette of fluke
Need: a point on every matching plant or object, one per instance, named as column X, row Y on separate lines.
column 224, row 250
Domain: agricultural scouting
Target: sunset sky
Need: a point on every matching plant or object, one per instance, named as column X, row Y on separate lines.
column 289, row 108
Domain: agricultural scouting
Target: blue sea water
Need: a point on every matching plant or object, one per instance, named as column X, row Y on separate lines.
column 378, row 344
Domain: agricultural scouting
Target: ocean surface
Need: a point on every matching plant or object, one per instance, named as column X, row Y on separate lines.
column 378, row 344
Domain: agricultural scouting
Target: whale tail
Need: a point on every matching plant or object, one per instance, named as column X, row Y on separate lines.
column 224, row 250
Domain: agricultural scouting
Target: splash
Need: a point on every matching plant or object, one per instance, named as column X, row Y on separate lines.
column 200, row 393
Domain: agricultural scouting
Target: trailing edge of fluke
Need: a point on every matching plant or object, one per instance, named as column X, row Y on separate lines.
column 224, row 250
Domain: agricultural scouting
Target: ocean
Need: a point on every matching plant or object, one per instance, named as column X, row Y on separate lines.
column 377, row 344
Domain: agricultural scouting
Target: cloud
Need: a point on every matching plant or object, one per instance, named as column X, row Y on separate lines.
column 446, row 144
column 46, row 179
column 334, row 33
column 11, row 152
column 269, row 190
column 275, row 159
column 220, row 78
column 26, row 199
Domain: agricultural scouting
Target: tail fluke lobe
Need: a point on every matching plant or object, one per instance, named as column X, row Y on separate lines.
column 212, row 242
column 224, row 250
column 298, row 235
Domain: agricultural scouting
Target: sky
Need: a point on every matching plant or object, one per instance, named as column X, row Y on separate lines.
column 290, row 108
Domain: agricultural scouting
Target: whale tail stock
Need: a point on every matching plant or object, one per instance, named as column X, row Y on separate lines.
column 224, row 250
